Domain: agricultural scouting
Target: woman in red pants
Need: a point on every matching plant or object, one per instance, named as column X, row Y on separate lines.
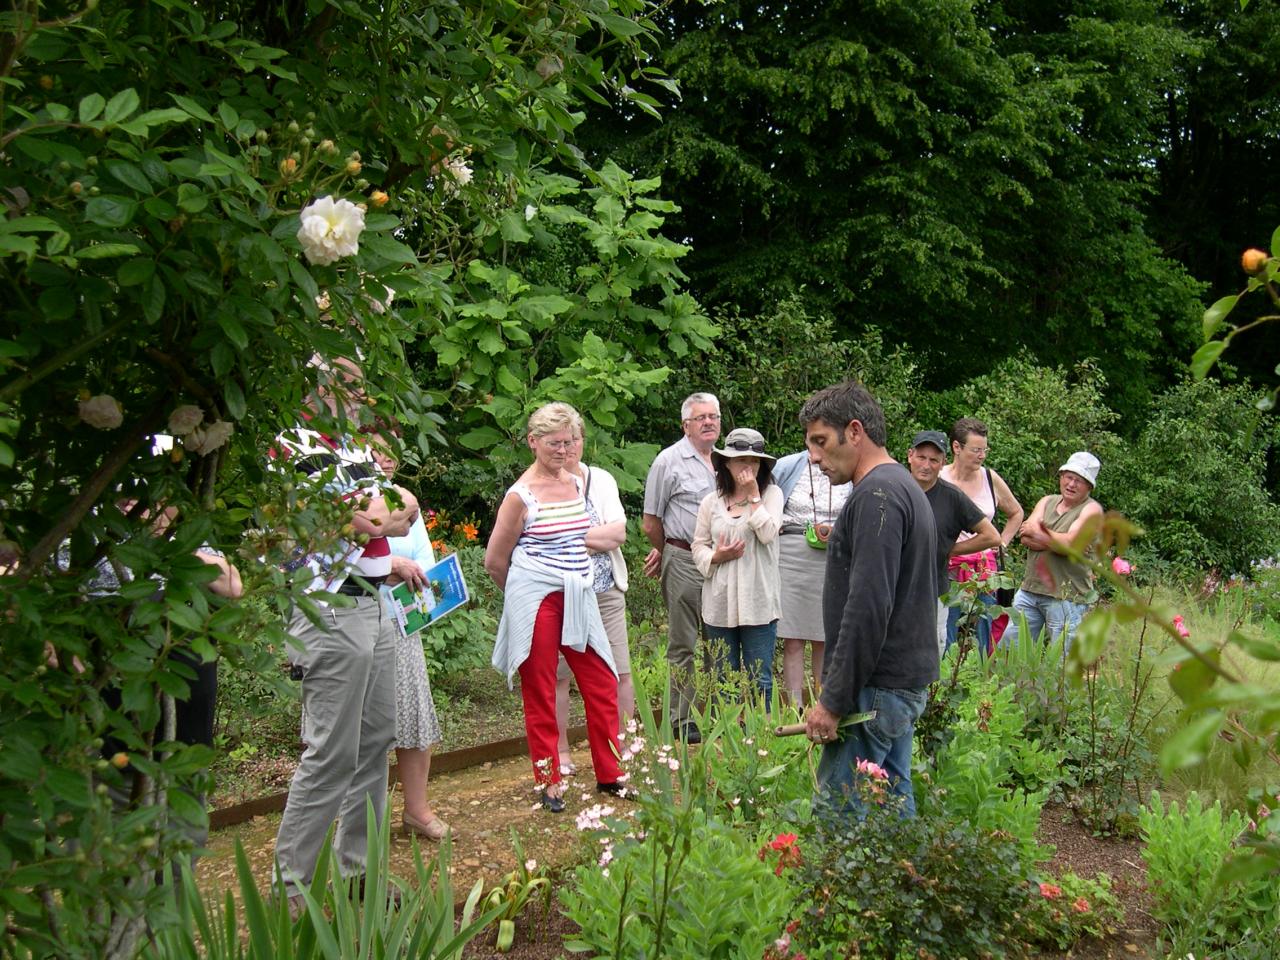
column 538, row 555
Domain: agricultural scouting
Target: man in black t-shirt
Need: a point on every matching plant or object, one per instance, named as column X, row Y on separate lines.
column 953, row 512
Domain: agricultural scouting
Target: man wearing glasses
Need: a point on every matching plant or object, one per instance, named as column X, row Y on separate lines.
column 680, row 477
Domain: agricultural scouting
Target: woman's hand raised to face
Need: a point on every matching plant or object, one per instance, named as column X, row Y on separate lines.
column 744, row 475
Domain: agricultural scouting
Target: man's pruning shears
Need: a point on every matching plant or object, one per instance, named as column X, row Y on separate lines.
column 849, row 720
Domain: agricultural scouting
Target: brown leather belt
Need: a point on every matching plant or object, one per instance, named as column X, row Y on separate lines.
column 682, row 544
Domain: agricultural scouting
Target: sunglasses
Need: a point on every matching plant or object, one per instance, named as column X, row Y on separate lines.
column 756, row 446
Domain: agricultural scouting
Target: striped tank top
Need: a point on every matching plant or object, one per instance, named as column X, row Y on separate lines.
column 555, row 534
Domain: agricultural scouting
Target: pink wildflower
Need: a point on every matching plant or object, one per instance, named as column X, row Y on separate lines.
column 1050, row 891
column 872, row 770
column 1122, row 566
column 1181, row 627
column 1081, row 905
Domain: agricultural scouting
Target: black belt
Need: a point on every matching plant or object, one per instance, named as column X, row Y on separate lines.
column 351, row 587
column 791, row 528
column 682, row 544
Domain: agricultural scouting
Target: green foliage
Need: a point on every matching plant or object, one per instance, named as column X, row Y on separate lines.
column 991, row 775
column 1037, row 417
column 342, row 919
column 694, row 878
column 156, row 160
column 896, row 886
column 1195, row 480
column 967, row 177
column 1073, row 908
column 791, row 353
column 1200, row 913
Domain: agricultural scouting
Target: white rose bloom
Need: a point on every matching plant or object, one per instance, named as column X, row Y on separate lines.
column 530, row 211
column 184, row 419
column 204, row 440
column 459, row 170
column 330, row 230
column 102, row 412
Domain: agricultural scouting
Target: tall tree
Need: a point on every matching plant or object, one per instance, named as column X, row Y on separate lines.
column 968, row 177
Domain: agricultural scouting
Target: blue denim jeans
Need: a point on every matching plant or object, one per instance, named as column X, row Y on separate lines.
column 1044, row 613
column 983, row 635
column 886, row 740
column 748, row 647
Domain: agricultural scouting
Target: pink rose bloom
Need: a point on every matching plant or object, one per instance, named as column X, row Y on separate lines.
column 873, row 770
column 1181, row 627
column 1122, row 566
column 1081, row 905
column 1050, row 891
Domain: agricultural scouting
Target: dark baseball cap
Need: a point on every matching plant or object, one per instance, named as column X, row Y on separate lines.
column 936, row 437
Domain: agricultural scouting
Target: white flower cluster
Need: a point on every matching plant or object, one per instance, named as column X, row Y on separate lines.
column 187, row 422
column 592, row 818
column 330, row 230
column 101, row 412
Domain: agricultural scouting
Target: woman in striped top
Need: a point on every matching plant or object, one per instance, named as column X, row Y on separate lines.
column 538, row 556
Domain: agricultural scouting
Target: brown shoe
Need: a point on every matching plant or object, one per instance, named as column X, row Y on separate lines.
column 434, row 829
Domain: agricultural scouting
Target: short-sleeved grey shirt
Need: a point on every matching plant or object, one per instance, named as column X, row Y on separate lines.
column 677, row 482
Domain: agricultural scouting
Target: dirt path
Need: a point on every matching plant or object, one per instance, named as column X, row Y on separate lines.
column 481, row 804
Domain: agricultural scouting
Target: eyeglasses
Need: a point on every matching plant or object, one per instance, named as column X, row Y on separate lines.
column 557, row 444
column 705, row 418
column 986, row 449
column 756, row 446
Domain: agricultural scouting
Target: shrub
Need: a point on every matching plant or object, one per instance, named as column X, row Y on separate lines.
column 1183, row 848
column 1073, row 907
column 888, row 887
column 1037, row 416
column 1195, row 480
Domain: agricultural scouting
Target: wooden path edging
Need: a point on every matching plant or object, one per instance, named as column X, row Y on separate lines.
column 449, row 762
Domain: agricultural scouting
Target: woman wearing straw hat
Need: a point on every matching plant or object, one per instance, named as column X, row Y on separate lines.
column 1055, row 587
column 735, row 546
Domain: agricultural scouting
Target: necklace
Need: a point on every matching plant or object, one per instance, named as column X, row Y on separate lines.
column 739, row 503
column 821, row 530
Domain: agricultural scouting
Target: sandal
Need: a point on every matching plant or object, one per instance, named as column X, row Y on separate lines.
column 434, row 829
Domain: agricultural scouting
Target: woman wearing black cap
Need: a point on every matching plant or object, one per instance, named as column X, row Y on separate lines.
column 735, row 546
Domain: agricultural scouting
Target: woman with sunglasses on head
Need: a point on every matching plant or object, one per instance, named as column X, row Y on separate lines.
column 986, row 488
column 539, row 556
column 811, row 505
column 735, row 546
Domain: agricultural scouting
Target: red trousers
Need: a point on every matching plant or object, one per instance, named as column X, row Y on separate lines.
column 538, row 689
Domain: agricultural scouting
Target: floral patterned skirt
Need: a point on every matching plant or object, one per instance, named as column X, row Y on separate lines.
column 416, row 725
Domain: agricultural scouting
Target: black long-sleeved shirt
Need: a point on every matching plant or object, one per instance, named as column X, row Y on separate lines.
column 879, row 605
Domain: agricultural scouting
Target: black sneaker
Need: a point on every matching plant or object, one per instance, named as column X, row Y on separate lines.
column 688, row 732
column 614, row 788
column 552, row 804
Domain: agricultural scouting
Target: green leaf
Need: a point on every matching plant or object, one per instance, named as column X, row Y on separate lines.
column 192, row 108
column 513, row 229
column 156, row 118
column 1260, row 648
column 91, row 106
column 110, row 211
column 481, row 438
column 1091, row 636
column 235, row 399
column 228, row 115
column 153, row 299
column 617, row 25
column 388, row 248
column 129, row 175
column 1193, row 677
column 121, row 106
column 234, row 330
column 29, row 225
column 1204, row 358
column 101, row 251
column 134, row 272
column 303, row 278
column 191, row 198
column 1214, row 316
column 57, row 303
column 221, row 357
column 1190, row 744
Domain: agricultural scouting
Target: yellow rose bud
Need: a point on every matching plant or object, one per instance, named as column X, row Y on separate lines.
column 46, row 82
column 378, row 198
column 288, row 166
column 76, row 186
column 353, row 167
column 1253, row 260
column 120, row 760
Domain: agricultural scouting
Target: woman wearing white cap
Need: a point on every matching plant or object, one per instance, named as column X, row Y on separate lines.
column 735, row 546
column 1055, row 588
